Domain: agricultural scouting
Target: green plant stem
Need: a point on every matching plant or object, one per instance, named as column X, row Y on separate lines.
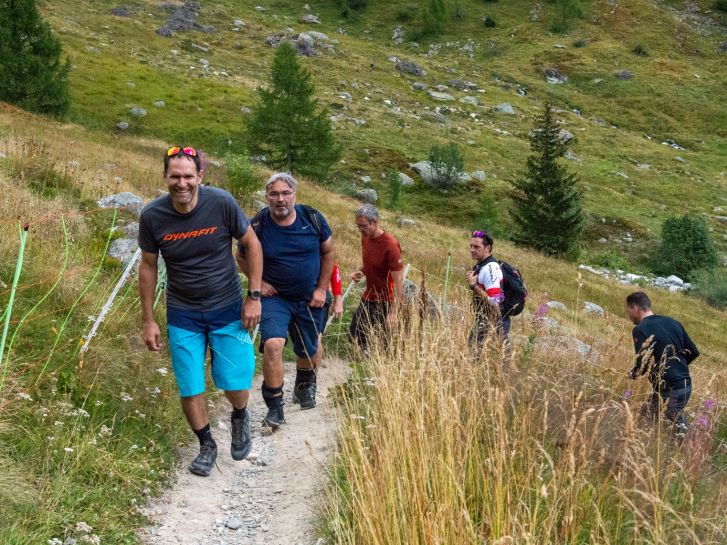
column 8, row 314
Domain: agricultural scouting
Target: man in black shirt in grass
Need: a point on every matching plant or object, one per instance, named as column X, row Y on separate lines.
column 664, row 352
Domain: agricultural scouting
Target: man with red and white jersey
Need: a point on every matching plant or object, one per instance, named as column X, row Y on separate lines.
column 335, row 290
column 486, row 281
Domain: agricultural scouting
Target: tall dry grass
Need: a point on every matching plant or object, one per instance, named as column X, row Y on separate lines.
column 439, row 447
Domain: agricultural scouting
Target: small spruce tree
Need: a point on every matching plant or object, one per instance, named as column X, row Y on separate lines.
column 286, row 125
column 34, row 76
column 546, row 200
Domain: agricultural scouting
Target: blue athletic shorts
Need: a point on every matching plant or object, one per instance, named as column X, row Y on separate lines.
column 282, row 317
column 233, row 359
column 324, row 314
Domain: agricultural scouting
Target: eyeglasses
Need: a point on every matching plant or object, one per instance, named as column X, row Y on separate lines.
column 284, row 194
column 176, row 150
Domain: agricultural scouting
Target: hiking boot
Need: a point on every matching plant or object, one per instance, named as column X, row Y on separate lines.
column 202, row 464
column 241, row 440
column 274, row 418
column 305, row 394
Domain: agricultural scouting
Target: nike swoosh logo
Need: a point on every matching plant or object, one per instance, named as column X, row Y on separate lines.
column 304, row 228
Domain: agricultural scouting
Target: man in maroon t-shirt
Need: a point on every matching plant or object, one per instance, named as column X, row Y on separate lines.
column 384, row 271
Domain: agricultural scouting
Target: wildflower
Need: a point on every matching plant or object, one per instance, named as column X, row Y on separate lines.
column 133, row 447
column 703, row 421
column 24, row 396
column 139, row 414
column 126, row 397
column 98, row 403
column 627, row 394
column 80, row 412
column 68, row 449
column 55, row 541
column 154, row 391
column 163, row 371
column 91, row 539
column 541, row 311
column 57, row 423
column 83, row 527
column 709, row 404
column 105, row 431
column 50, row 438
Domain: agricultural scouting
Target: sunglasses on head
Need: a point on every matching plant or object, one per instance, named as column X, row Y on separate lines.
column 479, row 234
column 176, row 150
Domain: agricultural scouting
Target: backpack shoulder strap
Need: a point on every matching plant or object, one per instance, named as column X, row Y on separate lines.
column 313, row 216
column 257, row 221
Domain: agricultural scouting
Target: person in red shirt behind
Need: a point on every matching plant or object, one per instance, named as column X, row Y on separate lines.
column 377, row 313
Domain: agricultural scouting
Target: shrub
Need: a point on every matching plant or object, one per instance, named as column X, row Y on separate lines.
column 242, row 180
column 447, row 164
column 640, row 50
column 685, row 247
column 489, row 21
column 721, row 5
column 406, row 13
column 394, row 181
column 711, row 285
column 610, row 259
column 567, row 10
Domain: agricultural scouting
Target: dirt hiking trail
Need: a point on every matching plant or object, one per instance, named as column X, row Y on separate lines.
column 270, row 498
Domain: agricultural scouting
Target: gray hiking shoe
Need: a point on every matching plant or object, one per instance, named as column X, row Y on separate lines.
column 241, row 440
column 202, row 464
column 305, row 394
column 274, row 418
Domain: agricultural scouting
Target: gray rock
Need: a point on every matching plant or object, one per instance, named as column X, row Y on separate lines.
column 411, row 296
column 419, row 86
column 565, row 136
column 624, row 74
column 406, row 181
column 722, row 47
column 131, row 230
column 479, row 175
column 398, row 35
column 424, row 170
column 259, row 205
column 319, row 37
column 205, row 63
column 505, row 108
column 274, row 40
column 435, row 116
column 679, row 159
column 472, row 101
column 159, row 103
column 130, row 84
column 674, row 279
column 138, row 112
column 593, row 308
column 555, row 76
column 123, row 11
column 367, row 195
column 556, row 304
column 463, row 85
column 436, row 95
column 346, row 96
column 123, row 249
column 122, row 125
column 406, row 222
column 238, row 23
column 245, row 110
column 572, row 156
column 309, row 19
column 122, row 200
column 181, row 19
column 441, row 88
column 305, row 45
column 233, row 523
column 365, row 179
column 408, row 67
column 464, row 177
column 603, row 240
column 721, row 219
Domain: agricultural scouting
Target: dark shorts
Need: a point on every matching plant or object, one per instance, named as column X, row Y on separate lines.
column 324, row 314
column 282, row 318
column 192, row 331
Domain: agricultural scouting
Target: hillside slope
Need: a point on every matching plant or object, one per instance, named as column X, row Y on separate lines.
column 649, row 128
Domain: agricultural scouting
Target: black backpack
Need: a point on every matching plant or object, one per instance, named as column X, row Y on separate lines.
column 512, row 284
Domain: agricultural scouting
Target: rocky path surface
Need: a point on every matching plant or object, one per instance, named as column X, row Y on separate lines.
column 272, row 497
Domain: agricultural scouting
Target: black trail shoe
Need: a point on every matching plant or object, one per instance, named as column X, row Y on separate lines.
column 241, row 440
column 274, row 418
column 305, row 394
column 202, row 464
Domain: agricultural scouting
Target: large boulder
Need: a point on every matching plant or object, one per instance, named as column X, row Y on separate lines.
column 126, row 200
column 555, row 76
column 425, row 171
column 309, row 19
column 408, row 67
column 436, row 95
column 122, row 249
column 367, row 195
column 406, row 181
column 593, row 308
column 505, row 108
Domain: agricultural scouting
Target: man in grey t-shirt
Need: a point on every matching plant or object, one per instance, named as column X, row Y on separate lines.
column 192, row 228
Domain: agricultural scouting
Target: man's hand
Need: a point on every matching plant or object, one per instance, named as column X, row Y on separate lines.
column 267, row 289
column 338, row 307
column 318, row 299
column 251, row 312
column 392, row 319
column 357, row 276
column 471, row 278
column 152, row 336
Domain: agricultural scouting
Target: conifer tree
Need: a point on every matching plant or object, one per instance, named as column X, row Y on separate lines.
column 546, row 200
column 34, row 76
column 286, row 125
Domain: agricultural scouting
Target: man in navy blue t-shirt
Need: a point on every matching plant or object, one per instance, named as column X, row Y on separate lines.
column 663, row 352
column 298, row 261
column 192, row 228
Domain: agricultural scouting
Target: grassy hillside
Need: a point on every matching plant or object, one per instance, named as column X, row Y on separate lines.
column 631, row 180
column 90, row 439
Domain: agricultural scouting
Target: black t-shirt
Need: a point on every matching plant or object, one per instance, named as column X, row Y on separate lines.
column 196, row 247
column 672, row 353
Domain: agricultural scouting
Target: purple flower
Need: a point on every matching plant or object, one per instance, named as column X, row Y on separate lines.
column 627, row 394
column 703, row 421
column 542, row 310
column 709, row 404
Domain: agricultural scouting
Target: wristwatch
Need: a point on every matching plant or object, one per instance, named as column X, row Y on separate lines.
column 254, row 294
